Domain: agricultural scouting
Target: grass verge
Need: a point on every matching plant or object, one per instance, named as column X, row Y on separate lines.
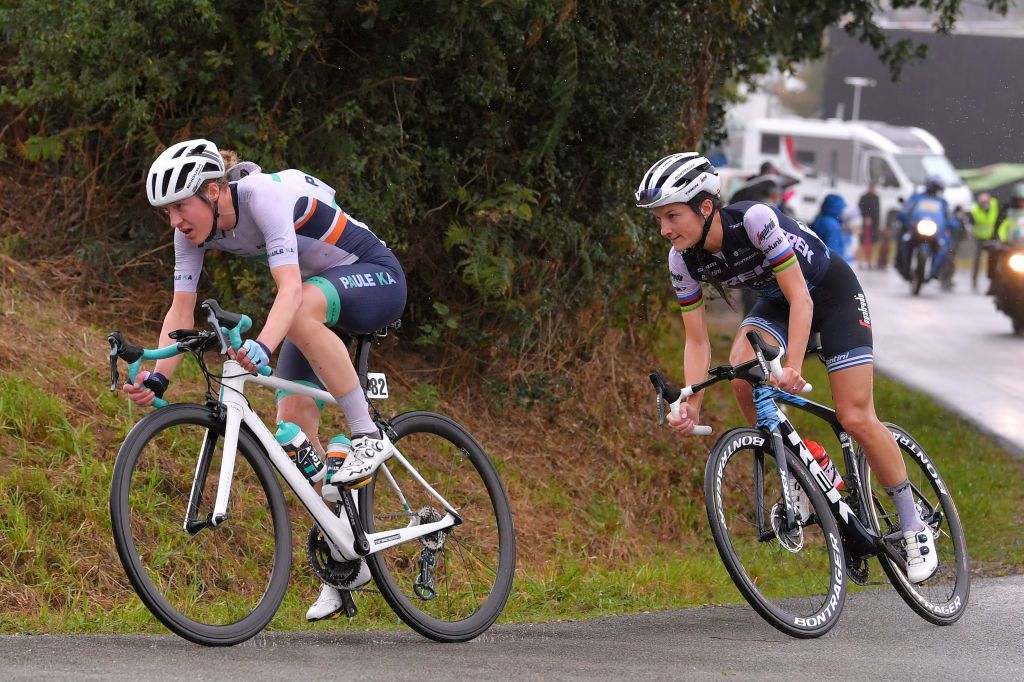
column 609, row 510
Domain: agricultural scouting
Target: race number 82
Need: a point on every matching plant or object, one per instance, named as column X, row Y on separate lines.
column 376, row 386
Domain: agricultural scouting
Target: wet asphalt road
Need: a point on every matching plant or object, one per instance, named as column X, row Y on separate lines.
column 954, row 346
column 878, row 637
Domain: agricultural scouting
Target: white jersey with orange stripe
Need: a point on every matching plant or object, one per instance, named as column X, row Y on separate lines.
column 284, row 218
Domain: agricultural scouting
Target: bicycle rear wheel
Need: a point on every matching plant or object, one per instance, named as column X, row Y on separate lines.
column 449, row 586
column 794, row 578
column 941, row 599
column 221, row 585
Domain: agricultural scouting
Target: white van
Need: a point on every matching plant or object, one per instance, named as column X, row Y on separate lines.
column 841, row 157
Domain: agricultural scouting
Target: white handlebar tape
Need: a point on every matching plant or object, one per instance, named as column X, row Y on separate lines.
column 776, row 368
column 700, row 429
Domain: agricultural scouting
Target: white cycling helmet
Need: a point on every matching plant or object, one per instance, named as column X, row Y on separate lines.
column 181, row 170
column 676, row 179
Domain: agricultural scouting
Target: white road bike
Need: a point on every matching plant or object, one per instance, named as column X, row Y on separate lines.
column 204, row 534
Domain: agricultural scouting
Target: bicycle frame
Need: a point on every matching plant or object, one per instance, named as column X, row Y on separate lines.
column 346, row 535
column 852, row 524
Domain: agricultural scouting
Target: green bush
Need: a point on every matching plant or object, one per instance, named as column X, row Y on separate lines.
column 492, row 143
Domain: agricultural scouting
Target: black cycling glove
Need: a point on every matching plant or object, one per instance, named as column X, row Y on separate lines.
column 157, row 383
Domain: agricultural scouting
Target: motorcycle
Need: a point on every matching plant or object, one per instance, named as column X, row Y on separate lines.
column 1008, row 283
column 919, row 250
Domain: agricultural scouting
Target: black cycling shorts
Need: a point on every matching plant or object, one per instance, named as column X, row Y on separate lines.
column 840, row 315
column 361, row 298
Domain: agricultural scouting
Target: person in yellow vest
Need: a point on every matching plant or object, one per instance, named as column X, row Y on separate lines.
column 983, row 219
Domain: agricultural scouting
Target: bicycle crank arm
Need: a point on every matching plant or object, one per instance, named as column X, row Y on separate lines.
column 360, row 545
column 348, row 603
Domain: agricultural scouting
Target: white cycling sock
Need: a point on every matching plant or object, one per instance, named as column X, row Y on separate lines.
column 903, row 497
column 357, row 410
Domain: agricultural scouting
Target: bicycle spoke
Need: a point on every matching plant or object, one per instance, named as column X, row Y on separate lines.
column 787, row 573
column 469, row 564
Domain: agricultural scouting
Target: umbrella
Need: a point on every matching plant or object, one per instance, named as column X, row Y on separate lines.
column 988, row 178
column 760, row 187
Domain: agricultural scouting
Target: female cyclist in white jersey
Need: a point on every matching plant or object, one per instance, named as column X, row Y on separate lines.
column 801, row 288
column 332, row 275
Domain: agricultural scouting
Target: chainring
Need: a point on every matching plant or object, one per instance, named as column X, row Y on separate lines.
column 857, row 569
column 335, row 573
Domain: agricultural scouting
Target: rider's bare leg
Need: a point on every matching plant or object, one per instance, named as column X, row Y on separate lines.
column 329, row 358
column 852, row 390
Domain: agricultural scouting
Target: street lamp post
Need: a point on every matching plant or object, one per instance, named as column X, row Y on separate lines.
column 858, row 82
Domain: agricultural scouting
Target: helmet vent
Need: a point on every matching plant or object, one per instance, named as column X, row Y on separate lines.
column 167, row 181
column 186, row 170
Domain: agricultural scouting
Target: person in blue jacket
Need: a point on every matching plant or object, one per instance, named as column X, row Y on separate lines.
column 829, row 223
column 927, row 204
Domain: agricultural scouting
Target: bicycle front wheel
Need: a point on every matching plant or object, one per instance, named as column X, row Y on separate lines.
column 941, row 599
column 794, row 577
column 215, row 586
column 452, row 585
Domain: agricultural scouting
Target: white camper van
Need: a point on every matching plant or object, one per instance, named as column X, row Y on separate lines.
column 840, row 157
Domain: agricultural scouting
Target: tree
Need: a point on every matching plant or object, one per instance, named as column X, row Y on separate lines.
column 492, row 143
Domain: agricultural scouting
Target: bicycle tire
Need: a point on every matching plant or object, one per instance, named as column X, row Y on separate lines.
column 160, row 478
column 784, row 576
column 942, row 599
column 920, row 259
column 435, row 445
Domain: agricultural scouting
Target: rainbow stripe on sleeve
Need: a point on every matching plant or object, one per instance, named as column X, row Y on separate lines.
column 783, row 260
column 691, row 303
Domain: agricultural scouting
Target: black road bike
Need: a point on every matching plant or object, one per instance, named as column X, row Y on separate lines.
column 791, row 561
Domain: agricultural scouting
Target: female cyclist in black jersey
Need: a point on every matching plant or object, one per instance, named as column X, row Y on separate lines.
column 801, row 288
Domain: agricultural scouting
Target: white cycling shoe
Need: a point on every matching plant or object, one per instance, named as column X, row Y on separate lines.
column 329, row 603
column 367, row 454
column 922, row 560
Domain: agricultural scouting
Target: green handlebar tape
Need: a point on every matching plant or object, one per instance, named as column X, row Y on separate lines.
column 153, row 354
column 159, row 402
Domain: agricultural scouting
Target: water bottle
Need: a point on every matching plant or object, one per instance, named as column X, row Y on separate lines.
column 338, row 449
column 301, row 451
column 826, row 463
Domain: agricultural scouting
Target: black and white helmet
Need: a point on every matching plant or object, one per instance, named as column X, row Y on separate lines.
column 181, row 170
column 677, row 179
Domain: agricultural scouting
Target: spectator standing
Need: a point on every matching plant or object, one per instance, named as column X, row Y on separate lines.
column 828, row 225
column 984, row 215
column 870, row 210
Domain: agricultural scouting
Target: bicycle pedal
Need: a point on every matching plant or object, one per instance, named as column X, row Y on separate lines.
column 355, row 485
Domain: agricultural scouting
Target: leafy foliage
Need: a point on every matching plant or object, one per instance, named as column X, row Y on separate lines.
column 491, row 143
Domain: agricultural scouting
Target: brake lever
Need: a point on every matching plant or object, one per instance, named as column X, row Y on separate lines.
column 211, row 317
column 659, row 398
column 114, row 376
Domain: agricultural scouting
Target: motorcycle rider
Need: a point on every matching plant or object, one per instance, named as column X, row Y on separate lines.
column 928, row 204
column 1010, row 231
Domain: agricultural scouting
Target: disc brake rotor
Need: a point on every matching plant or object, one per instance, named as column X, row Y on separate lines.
column 792, row 540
